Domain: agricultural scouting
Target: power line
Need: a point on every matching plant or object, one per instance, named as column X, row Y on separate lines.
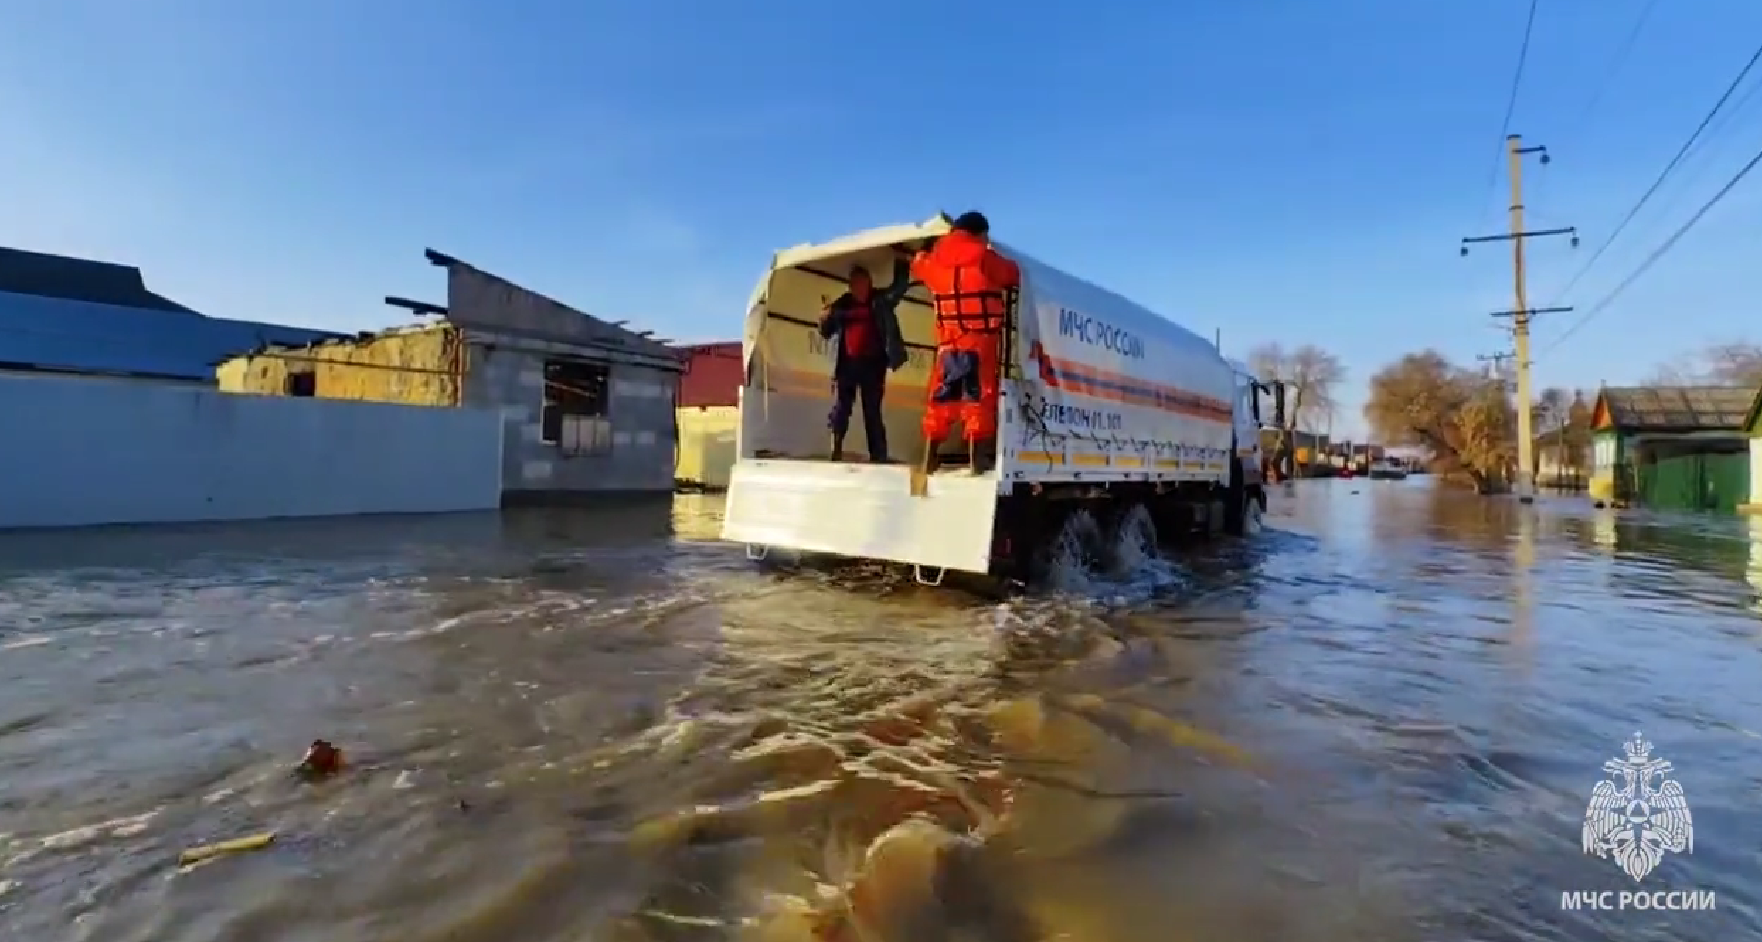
column 1657, row 253
column 1662, row 176
column 1620, row 59
column 1523, row 54
column 1732, row 110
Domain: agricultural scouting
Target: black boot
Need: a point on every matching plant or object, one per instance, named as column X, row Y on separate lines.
column 837, row 447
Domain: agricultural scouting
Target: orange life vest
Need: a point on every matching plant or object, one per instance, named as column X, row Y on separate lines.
column 967, row 278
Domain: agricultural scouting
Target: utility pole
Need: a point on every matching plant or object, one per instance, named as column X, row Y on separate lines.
column 1496, row 365
column 1522, row 313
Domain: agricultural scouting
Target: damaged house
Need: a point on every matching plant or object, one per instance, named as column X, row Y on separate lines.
column 587, row 404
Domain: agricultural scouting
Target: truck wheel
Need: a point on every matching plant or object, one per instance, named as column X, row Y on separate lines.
column 1242, row 514
column 1133, row 539
column 1241, row 507
column 1067, row 559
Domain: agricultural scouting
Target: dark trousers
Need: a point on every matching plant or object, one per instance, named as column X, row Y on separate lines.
column 959, row 381
column 865, row 377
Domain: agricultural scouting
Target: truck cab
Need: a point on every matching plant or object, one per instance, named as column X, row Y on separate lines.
column 1260, row 406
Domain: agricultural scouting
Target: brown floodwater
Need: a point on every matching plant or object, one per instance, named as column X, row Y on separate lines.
column 1381, row 719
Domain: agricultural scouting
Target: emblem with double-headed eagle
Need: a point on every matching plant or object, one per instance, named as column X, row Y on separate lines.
column 1633, row 820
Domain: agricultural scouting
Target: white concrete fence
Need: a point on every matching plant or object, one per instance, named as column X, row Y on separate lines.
column 80, row 451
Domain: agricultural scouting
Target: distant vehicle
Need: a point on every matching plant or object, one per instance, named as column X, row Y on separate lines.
column 1116, row 426
column 1388, row 469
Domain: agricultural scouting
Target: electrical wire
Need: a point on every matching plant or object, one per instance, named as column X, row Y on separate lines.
column 1523, row 54
column 1687, row 178
column 1653, row 258
column 1662, row 176
column 1616, row 62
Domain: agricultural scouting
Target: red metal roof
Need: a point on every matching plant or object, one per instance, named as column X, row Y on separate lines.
column 713, row 375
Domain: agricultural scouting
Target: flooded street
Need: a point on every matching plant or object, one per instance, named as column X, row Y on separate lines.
column 606, row 725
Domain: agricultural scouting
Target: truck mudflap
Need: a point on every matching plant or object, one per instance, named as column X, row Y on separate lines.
column 863, row 511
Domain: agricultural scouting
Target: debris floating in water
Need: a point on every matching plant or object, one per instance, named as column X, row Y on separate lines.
column 323, row 759
column 237, row 845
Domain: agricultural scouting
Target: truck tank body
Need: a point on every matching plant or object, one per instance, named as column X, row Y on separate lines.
column 1109, row 390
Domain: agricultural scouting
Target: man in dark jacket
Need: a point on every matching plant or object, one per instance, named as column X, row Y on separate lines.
column 863, row 326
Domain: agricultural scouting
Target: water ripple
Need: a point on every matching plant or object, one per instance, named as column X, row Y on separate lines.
column 1380, row 719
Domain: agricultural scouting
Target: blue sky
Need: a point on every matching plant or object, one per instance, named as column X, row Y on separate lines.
column 1298, row 171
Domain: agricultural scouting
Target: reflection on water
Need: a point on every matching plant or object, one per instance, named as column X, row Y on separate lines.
column 1753, row 573
column 1658, row 549
column 1523, row 615
column 1607, row 536
column 1379, row 721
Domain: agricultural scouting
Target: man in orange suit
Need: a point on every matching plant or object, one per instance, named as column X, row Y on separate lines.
column 970, row 282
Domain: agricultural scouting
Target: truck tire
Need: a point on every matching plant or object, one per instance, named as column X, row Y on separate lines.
column 1074, row 551
column 1253, row 510
column 1131, row 539
column 1242, row 505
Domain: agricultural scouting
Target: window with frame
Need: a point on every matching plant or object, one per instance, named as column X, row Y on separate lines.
column 575, row 417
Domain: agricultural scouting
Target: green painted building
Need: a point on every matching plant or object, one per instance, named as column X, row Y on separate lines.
column 1672, row 447
column 1753, row 431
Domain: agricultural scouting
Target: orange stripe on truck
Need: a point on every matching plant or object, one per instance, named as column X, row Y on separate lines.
column 1086, row 380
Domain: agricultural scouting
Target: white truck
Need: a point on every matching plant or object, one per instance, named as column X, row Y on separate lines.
column 1117, row 428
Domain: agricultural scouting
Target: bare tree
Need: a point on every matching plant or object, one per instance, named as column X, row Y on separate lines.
column 1550, row 411
column 1732, row 363
column 1311, row 374
column 1668, row 374
column 1550, row 417
column 1577, row 434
